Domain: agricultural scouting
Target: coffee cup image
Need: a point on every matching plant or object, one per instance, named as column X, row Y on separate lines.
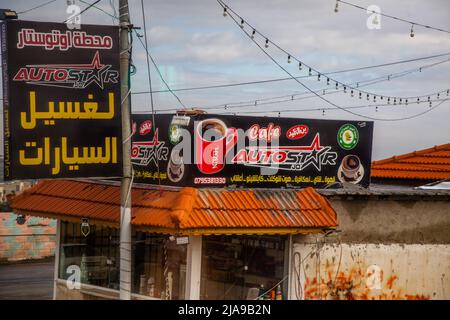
column 175, row 166
column 213, row 140
column 350, row 169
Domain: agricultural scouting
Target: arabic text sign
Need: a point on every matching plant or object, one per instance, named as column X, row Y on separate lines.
column 61, row 101
column 219, row 150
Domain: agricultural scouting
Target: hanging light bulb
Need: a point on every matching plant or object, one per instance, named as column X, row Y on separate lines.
column 360, row 95
column 289, row 58
column 328, row 82
column 323, row 92
column 242, row 23
column 225, row 107
column 412, row 31
column 253, row 34
column 448, row 92
column 420, row 69
column 395, row 101
column 381, row 98
column 318, row 77
column 292, row 97
column 357, row 84
column 428, row 98
column 267, row 43
column 389, row 77
column 351, row 93
column 367, row 97
column 337, row 85
column 406, row 102
column 299, row 66
column 345, row 89
column 438, row 96
column 400, row 101
column 389, row 100
column 323, row 112
column 376, row 109
column 256, row 102
column 418, row 100
column 310, row 71
column 374, row 98
column 279, row 114
column 430, row 103
column 225, row 11
column 336, row 8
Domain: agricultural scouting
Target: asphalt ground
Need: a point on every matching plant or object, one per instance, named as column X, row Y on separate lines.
column 31, row 280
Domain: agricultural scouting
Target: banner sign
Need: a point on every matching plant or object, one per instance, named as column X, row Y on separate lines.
column 61, row 91
column 220, row 150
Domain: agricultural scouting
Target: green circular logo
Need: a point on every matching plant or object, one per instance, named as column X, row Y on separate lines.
column 174, row 134
column 348, row 136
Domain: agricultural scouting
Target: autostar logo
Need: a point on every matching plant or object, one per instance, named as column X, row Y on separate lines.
column 76, row 76
column 288, row 157
column 145, row 152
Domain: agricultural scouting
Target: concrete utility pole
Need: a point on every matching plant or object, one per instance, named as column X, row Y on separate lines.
column 125, row 187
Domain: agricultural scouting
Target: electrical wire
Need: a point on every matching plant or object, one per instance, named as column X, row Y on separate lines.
column 151, row 58
column 302, row 84
column 355, row 107
column 113, row 16
column 273, row 80
column 267, row 41
column 159, row 72
column 395, row 18
column 150, row 85
column 294, row 96
column 36, row 7
column 83, row 11
column 300, row 77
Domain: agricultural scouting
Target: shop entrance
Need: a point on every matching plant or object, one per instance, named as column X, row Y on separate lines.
column 240, row 267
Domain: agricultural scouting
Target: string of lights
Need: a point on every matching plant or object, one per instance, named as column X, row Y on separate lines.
column 354, row 90
column 171, row 90
column 412, row 23
column 324, row 91
column 402, row 118
column 301, row 96
column 323, row 109
column 288, row 78
column 242, row 23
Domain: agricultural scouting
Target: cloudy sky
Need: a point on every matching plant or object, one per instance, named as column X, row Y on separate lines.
column 194, row 45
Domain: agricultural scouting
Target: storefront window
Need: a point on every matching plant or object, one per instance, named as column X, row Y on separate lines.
column 158, row 264
column 96, row 254
column 159, row 267
column 240, row 267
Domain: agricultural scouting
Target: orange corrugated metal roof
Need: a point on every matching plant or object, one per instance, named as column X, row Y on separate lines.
column 427, row 164
column 187, row 209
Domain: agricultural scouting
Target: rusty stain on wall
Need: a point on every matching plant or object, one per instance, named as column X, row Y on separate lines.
column 352, row 286
column 370, row 271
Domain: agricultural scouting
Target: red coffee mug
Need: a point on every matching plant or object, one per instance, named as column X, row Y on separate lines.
column 210, row 154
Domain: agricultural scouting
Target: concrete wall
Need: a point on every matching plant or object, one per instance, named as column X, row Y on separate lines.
column 371, row 271
column 393, row 221
column 33, row 240
column 390, row 248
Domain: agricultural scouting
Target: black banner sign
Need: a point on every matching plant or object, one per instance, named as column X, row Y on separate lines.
column 61, row 102
column 219, row 150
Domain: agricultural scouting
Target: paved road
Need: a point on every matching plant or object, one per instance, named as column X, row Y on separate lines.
column 30, row 281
